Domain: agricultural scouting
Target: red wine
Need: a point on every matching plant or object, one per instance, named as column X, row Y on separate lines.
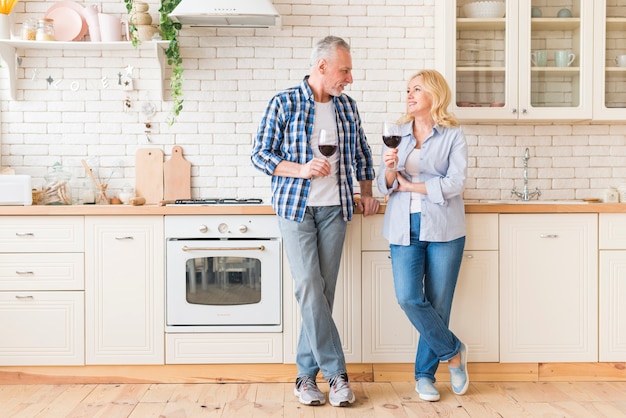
column 327, row 150
column 392, row 141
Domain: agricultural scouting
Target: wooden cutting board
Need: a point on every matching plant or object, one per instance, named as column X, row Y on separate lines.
column 177, row 173
column 149, row 174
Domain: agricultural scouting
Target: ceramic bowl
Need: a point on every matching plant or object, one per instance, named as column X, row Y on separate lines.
column 485, row 9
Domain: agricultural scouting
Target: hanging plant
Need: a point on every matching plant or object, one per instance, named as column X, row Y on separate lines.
column 169, row 32
column 132, row 28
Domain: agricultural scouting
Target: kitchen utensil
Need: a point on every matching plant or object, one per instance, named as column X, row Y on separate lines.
column 564, row 58
column 137, row 201
column 177, row 173
column 91, row 16
column 112, row 28
column 485, row 9
column 72, row 6
column 102, row 188
column 539, row 58
column 620, row 60
column 149, row 174
column 68, row 24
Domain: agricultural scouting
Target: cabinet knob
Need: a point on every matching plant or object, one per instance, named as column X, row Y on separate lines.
column 514, row 110
column 524, row 111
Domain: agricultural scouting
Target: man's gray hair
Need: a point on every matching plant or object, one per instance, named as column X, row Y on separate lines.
column 326, row 47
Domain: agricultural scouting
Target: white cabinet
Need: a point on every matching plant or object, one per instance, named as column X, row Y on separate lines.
column 548, row 288
column 388, row 336
column 347, row 306
column 491, row 73
column 41, row 290
column 474, row 317
column 124, row 290
column 609, row 24
column 612, row 287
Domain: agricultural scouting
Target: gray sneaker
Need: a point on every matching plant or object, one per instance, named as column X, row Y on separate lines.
column 340, row 392
column 307, row 391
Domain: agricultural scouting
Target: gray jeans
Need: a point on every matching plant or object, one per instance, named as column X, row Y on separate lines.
column 313, row 248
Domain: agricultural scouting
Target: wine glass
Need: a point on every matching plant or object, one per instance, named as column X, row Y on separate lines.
column 327, row 144
column 392, row 138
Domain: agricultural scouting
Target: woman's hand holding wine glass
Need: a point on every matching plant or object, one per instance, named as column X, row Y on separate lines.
column 392, row 138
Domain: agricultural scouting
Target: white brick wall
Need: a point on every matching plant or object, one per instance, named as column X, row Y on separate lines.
column 229, row 76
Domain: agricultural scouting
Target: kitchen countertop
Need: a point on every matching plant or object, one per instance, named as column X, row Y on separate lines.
column 126, row 210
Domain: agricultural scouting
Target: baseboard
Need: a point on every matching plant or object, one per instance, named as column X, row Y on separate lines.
column 280, row 373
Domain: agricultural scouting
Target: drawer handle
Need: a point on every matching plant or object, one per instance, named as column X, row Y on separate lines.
column 548, row 236
column 29, row 297
column 25, row 273
column 469, row 256
column 124, row 238
column 24, row 234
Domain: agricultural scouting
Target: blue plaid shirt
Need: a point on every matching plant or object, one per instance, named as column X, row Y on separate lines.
column 285, row 134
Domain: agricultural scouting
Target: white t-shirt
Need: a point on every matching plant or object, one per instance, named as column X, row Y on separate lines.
column 411, row 166
column 325, row 190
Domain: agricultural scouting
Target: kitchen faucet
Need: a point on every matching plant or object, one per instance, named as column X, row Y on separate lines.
column 524, row 194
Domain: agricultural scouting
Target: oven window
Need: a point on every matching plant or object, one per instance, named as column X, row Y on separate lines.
column 223, row 281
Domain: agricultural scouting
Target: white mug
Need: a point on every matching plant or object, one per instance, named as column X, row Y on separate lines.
column 564, row 58
column 620, row 60
column 112, row 28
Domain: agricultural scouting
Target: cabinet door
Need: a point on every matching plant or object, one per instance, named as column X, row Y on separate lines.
column 610, row 96
column 612, row 306
column 347, row 306
column 42, row 328
column 124, row 290
column 492, row 76
column 474, row 316
column 388, row 335
column 548, row 287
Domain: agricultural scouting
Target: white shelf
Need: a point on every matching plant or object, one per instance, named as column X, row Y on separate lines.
column 8, row 53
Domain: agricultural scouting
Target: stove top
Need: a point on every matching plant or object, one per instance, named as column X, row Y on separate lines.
column 217, row 201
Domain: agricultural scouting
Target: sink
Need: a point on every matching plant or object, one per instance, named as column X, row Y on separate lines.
column 538, row 202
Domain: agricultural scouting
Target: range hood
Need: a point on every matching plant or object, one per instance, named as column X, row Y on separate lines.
column 226, row 13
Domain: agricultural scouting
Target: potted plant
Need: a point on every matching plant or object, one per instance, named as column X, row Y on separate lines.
column 169, row 32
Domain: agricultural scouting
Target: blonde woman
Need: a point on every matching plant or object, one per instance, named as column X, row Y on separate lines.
column 425, row 225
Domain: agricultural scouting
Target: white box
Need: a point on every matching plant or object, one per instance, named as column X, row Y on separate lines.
column 15, row 190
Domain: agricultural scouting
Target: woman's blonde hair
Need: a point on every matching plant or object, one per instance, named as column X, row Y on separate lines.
column 435, row 84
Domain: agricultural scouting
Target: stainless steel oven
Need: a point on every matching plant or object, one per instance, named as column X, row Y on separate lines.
column 223, row 273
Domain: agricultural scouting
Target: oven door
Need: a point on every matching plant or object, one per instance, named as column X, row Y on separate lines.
column 223, row 282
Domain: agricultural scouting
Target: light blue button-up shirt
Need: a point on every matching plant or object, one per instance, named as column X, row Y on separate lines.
column 443, row 168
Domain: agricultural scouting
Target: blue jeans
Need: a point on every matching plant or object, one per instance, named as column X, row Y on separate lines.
column 425, row 276
column 313, row 248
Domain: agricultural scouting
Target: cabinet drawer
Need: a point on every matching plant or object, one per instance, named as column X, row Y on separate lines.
column 482, row 231
column 42, row 328
column 22, row 234
column 371, row 234
column 42, row 271
column 612, row 231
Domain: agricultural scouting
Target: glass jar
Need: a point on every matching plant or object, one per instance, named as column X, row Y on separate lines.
column 57, row 190
column 45, row 29
column 126, row 194
column 29, row 30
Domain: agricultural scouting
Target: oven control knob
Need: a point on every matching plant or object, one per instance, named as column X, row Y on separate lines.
column 243, row 229
column 204, row 229
column 223, row 228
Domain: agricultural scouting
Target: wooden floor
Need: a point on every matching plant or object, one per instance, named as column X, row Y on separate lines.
column 250, row 400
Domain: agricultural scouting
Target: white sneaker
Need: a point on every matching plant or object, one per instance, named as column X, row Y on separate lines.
column 307, row 391
column 340, row 392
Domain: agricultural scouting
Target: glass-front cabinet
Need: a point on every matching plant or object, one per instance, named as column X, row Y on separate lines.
column 517, row 59
column 610, row 60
